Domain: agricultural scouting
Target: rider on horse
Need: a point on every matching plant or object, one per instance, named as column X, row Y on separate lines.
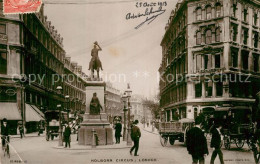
column 95, row 62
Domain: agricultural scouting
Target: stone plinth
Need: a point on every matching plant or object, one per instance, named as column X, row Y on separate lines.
column 99, row 123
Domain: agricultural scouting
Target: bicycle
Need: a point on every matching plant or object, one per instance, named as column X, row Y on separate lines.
column 5, row 144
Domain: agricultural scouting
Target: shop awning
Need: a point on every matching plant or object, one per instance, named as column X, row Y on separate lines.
column 9, row 111
column 31, row 114
column 38, row 111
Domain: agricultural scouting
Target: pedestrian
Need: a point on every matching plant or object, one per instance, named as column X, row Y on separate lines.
column 21, row 130
column 78, row 132
column 67, row 133
column 135, row 135
column 5, row 131
column 216, row 144
column 197, row 143
column 118, row 129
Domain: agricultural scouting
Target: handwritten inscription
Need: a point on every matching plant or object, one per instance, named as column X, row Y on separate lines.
column 151, row 12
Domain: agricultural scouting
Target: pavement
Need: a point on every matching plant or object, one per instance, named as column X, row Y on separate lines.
column 36, row 150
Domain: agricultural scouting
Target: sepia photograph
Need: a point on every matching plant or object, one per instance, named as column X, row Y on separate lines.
column 130, row 81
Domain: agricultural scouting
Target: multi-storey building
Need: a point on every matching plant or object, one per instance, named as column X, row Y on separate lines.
column 113, row 102
column 74, row 87
column 210, row 57
column 31, row 68
column 137, row 111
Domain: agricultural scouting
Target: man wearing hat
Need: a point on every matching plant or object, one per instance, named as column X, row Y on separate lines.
column 4, row 132
column 67, row 134
column 135, row 135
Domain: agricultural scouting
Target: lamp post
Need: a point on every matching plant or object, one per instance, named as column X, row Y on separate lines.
column 128, row 93
column 124, row 98
column 67, row 106
column 59, row 88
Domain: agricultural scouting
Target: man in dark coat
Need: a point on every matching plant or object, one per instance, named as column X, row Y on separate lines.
column 5, row 132
column 67, row 134
column 135, row 135
column 216, row 144
column 118, row 129
column 197, row 143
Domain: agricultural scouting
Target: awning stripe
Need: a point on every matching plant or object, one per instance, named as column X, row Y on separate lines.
column 9, row 111
column 31, row 114
column 38, row 111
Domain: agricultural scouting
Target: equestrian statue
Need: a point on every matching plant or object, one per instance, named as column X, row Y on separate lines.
column 95, row 63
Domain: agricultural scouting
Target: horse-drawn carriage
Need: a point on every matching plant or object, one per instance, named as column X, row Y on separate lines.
column 175, row 130
column 236, row 122
column 53, row 123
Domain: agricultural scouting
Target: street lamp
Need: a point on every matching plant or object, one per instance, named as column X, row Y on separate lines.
column 67, row 106
column 128, row 93
column 59, row 88
column 124, row 98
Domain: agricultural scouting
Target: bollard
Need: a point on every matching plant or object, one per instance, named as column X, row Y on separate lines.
column 93, row 138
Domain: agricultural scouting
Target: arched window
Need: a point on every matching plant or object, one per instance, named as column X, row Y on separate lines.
column 208, row 12
column 208, row 36
column 218, row 10
column 198, row 39
column 218, row 35
column 199, row 13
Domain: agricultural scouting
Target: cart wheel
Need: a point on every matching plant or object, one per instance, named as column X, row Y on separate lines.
column 52, row 137
column 239, row 143
column 163, row 140
column 227, row 143
column 172, row 140
column 47, row 137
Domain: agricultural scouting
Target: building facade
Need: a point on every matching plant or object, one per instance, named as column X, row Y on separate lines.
column 210, row 57
column 31, row 68
column 113, row 103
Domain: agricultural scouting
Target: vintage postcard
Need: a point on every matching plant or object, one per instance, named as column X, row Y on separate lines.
column 130, row 81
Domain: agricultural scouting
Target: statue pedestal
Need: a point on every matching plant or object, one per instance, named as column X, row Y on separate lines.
column 99, row 122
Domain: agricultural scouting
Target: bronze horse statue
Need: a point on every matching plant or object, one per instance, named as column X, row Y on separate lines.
column 95, row 63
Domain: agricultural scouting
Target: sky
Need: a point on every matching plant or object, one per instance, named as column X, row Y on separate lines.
column 128, row 55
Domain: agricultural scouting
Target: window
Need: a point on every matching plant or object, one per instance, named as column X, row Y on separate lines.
column 234, row 32
column 217, row 61
column 219, row 88
column 198, row 41
column 2, row 29
column 208, row 37
column 245, row 15
column 199, row 14
column 245, row 59
column 234, row 56
column 234, row 10
column 208, row 88
column 255, row 39
column 245, row 35
column 255, row 18
column 256, row 63
column 198, row 90
column 218, row 35
column 207, row 61
column 198, row 62
column 218, row 10
column 195, row 112
column 208, row 12
column 3, row 63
